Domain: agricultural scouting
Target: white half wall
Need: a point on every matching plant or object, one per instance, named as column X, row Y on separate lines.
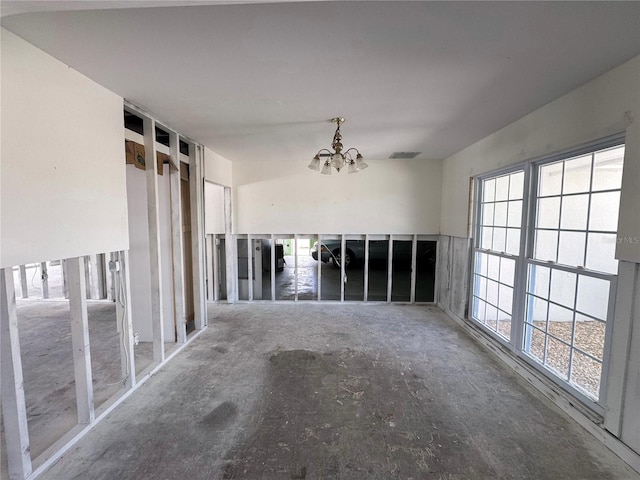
column 607, row 105
column 63, row 184
column 391, row 196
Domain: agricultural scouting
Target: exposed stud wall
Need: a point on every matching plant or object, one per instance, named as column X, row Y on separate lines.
column 14, row 409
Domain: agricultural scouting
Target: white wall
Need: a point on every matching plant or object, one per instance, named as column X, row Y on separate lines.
column 607, row 105
column 391, row 196
column 214, row 208
column 63, row 180
column 217, row 169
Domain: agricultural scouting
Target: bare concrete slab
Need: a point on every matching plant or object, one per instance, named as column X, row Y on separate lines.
column 47, row 361
column 336, row 392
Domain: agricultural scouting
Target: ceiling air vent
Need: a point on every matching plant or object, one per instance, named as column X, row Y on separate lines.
column 404, row 154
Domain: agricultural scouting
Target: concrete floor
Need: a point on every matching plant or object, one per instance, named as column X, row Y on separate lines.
column 47, row 361
column 336, row 392
column 307, row 285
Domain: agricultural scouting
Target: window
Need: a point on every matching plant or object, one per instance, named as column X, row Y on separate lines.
column 556, row 317
column 499, row 233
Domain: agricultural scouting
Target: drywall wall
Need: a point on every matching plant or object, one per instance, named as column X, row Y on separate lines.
column 391, row 196
column 453, row 270
column 213, row 208
column 217, row 169
column 607, row 105
column 631, row 400
column 63, row 185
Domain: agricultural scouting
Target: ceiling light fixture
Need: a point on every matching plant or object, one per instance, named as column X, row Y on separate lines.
column 337, row 159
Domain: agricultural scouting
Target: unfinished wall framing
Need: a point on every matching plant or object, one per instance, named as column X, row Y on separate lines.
column 307, row 267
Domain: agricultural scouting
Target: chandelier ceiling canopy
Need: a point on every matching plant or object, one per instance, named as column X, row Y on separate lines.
column 337, row 158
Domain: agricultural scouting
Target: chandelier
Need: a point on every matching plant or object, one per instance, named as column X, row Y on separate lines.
column 338, row 159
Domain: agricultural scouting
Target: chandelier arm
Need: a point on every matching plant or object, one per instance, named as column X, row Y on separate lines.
column 324, row 150
column 352, row 148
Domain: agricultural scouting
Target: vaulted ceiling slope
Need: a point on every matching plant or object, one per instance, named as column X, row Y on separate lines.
column 260, row 80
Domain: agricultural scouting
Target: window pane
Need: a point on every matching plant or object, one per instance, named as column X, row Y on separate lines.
column 607, row 174
column 507, row 271
column 574, row 212
column 535, row 343
column 548, row 212
column 537, row 312
column 571, row 248
column 562, row 329
column 550, row 179
column 604, row 211
column 601, row 250
column 546, row 245
column 492, row 292
column 514, row 218
column 590, row 336
column 539, row 280
column 479, row 309
column 491, row 317
column 481, row 263
column 499, row 239
column 593, row 296
column 513, row 241
column 500, row 216
column 516, row 186
column 558, row 314
column 506, row 298
column 502, row 188
column 493, row 270
column 504, row 325
column 563, row 287
column 577, row 175
column 480, row 286
column 488, row 190
column 558, row 357
column 486, row 237
column 586, row 373
column 487, row 214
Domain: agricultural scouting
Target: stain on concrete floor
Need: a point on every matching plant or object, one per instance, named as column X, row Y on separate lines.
column 336, row 392
column 350, row 415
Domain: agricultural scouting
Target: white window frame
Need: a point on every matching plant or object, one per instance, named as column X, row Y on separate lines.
column 525, row 258
column 517, row 307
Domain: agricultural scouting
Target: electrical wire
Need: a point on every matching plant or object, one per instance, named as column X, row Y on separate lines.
column 122, row 301
column 35, row 271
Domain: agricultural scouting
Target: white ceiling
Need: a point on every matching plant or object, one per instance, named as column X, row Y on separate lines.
column 260, row 80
